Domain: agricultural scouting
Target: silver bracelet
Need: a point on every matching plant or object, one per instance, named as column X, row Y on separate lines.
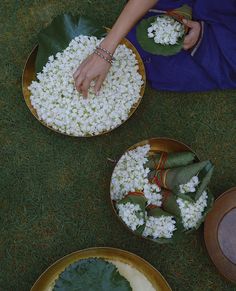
column 103, row 57
column 105, row 51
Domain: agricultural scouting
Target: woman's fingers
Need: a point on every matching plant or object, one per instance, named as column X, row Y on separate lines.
column 98, row 84
column 85, row 85
column 79, row 81
column 80, row 68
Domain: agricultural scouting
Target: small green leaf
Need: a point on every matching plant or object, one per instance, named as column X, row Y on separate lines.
column 91, row 275
column 204, row 176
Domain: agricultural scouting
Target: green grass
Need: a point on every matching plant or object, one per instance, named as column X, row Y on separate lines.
column 55, row 189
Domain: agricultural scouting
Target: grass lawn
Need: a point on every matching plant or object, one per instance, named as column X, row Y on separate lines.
column 55, row 189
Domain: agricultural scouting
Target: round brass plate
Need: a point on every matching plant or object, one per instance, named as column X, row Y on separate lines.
column 157, row 145
column 47, row 279
column 29, row 75
column 220, row 234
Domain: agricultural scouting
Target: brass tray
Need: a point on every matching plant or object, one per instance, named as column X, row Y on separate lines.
column 157, row 145
column 220, row 234
column 29, row 75
column 47, row 279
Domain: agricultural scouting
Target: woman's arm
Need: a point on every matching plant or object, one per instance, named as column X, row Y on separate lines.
column 94, row 67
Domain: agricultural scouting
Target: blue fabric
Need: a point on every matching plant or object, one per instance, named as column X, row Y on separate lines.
column 213, row 66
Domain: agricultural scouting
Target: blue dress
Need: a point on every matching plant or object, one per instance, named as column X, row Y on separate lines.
column 212, row 65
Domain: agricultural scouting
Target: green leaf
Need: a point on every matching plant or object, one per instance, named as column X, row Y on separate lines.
column 158, row 212
column 171, row 160
column 190, row 197
column 204, row 176
column 91, row 275
column 57, row 36
column 171, row 206
column 149, row 45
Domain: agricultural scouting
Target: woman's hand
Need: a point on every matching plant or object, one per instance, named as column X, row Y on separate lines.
column 194, row 33
column 92, row 68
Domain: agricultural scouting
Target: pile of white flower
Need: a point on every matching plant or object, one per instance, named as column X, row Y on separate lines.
column 61, row 107
column 191, row 213
column 160, row 227
column 131, row 214
column 166, row 30
column 189, row 187
column 129, row 174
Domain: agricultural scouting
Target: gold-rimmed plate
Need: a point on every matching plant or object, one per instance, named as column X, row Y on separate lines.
column 160, row 144
column 29, row 75
column 46, row 281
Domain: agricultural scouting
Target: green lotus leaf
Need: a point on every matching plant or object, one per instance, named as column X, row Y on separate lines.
column 91, row 275
column 57, row 36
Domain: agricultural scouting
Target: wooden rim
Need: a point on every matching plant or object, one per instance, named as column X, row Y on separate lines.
column 222, row 206
column 157, row 144
column 48, row 277
column 29, row 75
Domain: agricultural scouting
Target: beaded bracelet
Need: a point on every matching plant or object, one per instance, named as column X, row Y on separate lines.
column 103, row 57
column 105, row 51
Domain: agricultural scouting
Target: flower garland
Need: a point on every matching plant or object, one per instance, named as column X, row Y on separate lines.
column 63, row 108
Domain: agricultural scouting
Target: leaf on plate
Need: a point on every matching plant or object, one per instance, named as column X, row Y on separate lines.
column 92, row 274
column 57, row 36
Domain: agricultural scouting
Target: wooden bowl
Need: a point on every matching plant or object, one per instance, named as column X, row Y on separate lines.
column 46, row 281
column 160, row 144
column 220, row 234
column 29, row 75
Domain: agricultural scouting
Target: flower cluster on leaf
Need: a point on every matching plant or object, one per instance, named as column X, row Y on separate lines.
column 166, row 30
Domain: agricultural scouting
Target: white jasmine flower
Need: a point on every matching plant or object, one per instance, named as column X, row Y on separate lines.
column 129, row 174
column 191, row 213
column 60, row 106
column 131, row 214
column 160, row 227
column 166, row 30
column 189, row 187
column 153, row 194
